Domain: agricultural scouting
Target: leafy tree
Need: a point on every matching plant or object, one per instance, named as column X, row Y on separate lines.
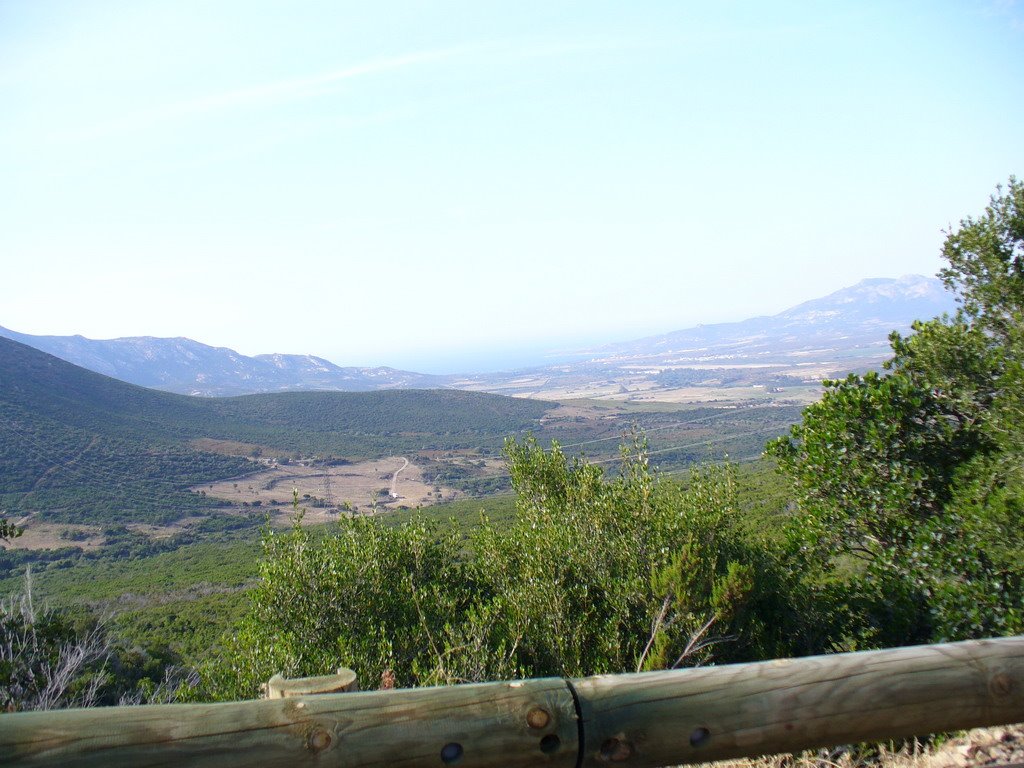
column 8, row 530
column 917, row 473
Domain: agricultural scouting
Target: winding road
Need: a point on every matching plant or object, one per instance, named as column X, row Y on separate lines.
column 394, row 477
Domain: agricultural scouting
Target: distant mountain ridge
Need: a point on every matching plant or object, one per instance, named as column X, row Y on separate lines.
column 823, row 338
column 864, row 313
column 846, row 329
column 189, row 367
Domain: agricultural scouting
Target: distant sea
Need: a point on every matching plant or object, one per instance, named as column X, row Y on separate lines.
column 485, row 360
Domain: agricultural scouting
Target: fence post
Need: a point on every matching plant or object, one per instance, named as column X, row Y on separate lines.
column 278, row 687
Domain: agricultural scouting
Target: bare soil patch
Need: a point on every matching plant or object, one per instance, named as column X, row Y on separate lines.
column 39, row 535
column 361, row 487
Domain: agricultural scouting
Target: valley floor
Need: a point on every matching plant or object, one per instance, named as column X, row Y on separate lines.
column 366, row 486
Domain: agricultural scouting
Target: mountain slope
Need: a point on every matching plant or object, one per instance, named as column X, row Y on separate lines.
column 861, row 314
column 76, row 445
column 188, row 367
column 783, row 356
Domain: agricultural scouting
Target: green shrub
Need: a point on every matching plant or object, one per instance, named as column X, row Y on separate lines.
column 596, row 574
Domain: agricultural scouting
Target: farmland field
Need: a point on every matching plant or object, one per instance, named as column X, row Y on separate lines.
column 363, row 486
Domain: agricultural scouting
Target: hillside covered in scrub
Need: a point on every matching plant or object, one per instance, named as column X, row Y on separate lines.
column 903, row 526
column 79, row 446
column 909, row 498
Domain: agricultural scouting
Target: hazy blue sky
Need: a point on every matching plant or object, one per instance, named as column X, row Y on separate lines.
column 410, row 182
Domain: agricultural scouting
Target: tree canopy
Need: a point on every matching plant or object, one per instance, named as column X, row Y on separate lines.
column 916, row 473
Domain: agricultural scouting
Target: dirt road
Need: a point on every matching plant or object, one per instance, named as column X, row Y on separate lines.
column 394, row 477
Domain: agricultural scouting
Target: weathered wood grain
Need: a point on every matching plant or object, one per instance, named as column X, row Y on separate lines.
column 746, row 710
column 530, row 723
column 649, row 719
column 278, row 687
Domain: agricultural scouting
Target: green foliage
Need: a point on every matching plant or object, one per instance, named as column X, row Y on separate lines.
column 179, row 627
column 880, row 445
column 595, row 574
column 372, row 595
column 986, row 265
column 8, row 530
column 109, row 580
column 51, row 659
column 583, row 574
column 917, row 473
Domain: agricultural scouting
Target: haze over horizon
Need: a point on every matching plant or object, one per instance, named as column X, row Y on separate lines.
column 411, row 183
column 902, row 300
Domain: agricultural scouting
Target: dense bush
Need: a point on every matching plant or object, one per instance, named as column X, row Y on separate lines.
column 595, row 574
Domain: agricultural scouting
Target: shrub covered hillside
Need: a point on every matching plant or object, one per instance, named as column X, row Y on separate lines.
column 79, row 447
column 596, row 574
column 907, row 528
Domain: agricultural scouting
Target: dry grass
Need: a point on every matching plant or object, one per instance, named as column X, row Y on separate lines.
column 37, row 534
column 40, row 535
column 637, row 386
column 359, row 485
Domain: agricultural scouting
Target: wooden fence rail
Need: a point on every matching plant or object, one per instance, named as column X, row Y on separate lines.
column 647, row 719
